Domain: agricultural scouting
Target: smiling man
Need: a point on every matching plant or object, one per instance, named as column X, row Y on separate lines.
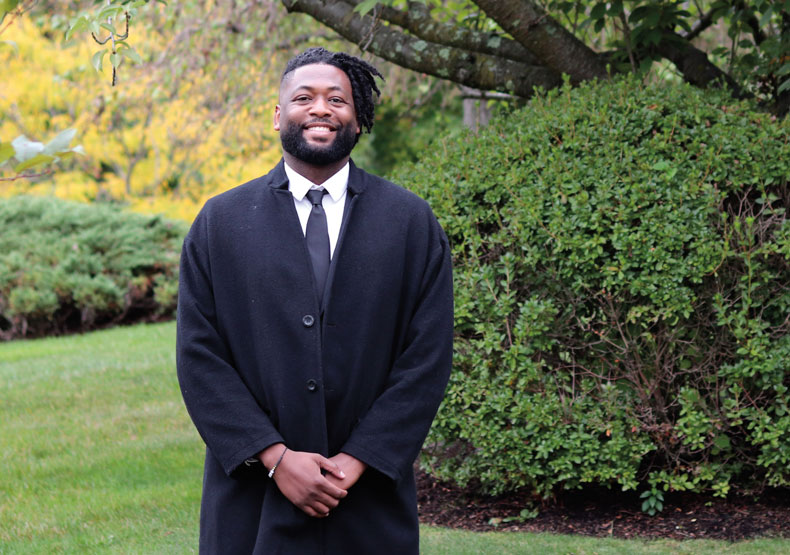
column 314, row 335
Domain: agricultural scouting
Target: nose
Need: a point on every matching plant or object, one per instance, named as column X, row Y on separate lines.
column 320, row 107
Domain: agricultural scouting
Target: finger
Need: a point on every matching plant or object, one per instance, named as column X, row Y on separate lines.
column 333, row 491
column 334, row 481
column 332, row 468
column 329, row 502
column 320, row 509
column 309, row 511
column 322, row 500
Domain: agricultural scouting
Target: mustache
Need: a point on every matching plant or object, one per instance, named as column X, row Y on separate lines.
column 322, row 121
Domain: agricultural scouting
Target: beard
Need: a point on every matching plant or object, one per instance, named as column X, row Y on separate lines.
column 295, row 144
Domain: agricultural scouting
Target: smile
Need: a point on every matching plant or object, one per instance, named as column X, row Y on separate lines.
column 320, row 127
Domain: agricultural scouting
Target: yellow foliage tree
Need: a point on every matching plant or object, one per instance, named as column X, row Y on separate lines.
column 161, row 146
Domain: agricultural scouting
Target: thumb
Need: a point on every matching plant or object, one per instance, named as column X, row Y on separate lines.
column 331, row 467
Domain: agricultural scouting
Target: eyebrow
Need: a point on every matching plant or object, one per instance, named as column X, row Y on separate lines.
column 309, row 88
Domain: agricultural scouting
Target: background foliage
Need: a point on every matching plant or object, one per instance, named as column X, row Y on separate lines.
column 622, row 261
column 66, row 266
column 148, row 146
column 194, row 117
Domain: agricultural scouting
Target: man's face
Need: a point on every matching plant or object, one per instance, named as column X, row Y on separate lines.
column 316, row 117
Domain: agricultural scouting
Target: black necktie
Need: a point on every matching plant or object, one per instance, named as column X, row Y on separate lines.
column 317, row 237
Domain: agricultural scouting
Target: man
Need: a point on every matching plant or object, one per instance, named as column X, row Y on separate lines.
column 314, row 335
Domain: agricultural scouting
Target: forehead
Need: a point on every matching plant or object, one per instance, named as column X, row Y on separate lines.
column 316, row 77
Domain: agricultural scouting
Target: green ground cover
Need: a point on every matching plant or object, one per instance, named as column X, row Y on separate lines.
column 98, row 455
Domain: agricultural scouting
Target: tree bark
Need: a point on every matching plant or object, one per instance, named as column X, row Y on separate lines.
column 473, row 69
column 541, row 34
column 417, row 20
column 541, row 52
column 694, row 64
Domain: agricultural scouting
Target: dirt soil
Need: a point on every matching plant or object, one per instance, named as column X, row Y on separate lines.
column 601, row 512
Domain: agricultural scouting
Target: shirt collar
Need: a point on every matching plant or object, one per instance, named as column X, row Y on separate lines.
column 335, row 185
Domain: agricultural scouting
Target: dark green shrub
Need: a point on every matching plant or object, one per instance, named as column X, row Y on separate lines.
column 66, row 266
column 622, row 274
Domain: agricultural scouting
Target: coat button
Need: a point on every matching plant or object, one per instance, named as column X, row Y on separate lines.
column 308, row 320
column 311, row 385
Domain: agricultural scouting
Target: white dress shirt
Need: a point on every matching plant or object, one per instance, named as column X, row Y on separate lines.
column 333, row 203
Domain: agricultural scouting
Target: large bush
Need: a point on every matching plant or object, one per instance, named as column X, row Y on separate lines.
column 66, row 266
column 622, row 274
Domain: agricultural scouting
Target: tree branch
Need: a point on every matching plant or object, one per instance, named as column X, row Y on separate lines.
column 701, row 25
column 417, row 20
column 477, row 70
column 752, row 22
column 20, row 10
column 551, row 43
column 27, row 175
column 694, row 64
column 293, row 42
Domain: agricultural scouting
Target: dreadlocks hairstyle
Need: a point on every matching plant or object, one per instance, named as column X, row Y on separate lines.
column 360, row 73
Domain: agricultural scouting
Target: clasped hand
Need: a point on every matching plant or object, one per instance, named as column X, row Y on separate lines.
column 300, row 480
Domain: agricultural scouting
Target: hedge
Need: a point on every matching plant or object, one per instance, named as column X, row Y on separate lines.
column 622, row 286
column 67, row 266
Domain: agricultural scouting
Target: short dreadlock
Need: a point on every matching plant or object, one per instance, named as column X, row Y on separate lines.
column 360, row 73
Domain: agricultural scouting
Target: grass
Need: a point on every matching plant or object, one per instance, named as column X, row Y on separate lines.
column 441, row 541
column 96, row 449
column 98, row 456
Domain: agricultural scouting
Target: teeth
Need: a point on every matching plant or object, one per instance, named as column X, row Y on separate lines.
column 319, row 128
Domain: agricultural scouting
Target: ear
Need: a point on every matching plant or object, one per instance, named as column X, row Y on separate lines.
column 277, row 118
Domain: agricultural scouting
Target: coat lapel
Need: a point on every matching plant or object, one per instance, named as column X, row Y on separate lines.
column 287, row 230
column 356, row 186
column 289, row 220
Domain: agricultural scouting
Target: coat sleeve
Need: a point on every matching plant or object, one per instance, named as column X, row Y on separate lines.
column 226, row 414
column 389, row 436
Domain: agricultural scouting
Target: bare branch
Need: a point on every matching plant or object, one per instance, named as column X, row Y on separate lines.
column 21, row 9
column 27, row 176
column 293, row 42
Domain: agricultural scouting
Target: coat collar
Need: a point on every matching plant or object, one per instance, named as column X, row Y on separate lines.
column 356, row 178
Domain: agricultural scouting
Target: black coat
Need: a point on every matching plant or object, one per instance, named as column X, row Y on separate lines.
column 259, row 362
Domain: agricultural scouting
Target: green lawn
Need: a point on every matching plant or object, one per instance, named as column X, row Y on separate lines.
column 97, row 450
column 98, row 455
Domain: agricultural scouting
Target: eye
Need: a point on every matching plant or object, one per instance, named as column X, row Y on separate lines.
column 301, row 98
column 337, row 100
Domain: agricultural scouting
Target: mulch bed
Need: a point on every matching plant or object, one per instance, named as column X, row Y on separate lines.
column 601, row 512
